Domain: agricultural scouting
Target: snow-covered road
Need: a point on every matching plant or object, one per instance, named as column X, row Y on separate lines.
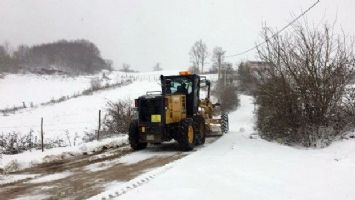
column 238, row 167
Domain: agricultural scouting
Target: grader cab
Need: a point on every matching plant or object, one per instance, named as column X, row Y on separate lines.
column 176, row 112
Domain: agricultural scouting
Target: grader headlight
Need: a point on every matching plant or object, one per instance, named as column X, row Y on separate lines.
column 185, row 73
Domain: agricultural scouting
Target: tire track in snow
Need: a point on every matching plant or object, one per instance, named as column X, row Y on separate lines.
column 134, row 183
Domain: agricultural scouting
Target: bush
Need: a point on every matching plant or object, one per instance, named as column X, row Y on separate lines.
column 227, row 96
column 247, row 76
column 301, row 93
column 95, row 84
column 118, row 117
column 12, row 143
column 11, row 167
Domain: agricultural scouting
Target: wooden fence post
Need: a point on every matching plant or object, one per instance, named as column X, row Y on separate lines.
column 42, row 134
column 98, row 130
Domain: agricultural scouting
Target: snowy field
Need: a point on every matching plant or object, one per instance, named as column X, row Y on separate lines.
column 16, row 89
column 239, row 167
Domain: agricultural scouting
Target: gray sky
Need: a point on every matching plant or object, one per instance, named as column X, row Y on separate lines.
column 144, row 32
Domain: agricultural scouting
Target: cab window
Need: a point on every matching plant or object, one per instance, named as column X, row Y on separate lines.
column 179, row 85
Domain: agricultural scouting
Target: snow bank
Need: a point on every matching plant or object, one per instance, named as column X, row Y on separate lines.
column 28, row 159
column 15, row 177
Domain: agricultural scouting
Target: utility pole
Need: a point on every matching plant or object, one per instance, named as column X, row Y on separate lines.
column 225, row 77
column 42, row 134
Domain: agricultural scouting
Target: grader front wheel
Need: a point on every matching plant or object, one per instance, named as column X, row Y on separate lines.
column 224, row 123
column 200, row 129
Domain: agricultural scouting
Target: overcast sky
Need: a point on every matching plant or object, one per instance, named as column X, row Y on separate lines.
column 144, row 32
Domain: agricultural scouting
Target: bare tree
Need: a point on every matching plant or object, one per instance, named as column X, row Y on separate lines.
column 157, row 67
column 118, row 116
column 218, row 59
column 301, row 93
column 198, row 55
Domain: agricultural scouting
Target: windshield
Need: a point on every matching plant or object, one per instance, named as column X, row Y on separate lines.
column 178, row 85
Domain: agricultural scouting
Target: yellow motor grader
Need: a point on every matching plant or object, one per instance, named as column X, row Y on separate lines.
column 176, row 112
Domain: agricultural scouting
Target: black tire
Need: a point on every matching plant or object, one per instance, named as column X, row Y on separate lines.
column 186, row 142
column 200, row 129
column 224, row 123
column 133, row 137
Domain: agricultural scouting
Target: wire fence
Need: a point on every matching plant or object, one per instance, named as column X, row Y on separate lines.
column 15, row 139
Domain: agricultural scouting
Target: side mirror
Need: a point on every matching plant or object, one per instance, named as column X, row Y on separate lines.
column 168, row 82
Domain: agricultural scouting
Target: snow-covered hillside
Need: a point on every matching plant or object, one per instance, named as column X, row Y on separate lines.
column 29, row 88
column 239, row 167
column 16, row 89
column 74, row 116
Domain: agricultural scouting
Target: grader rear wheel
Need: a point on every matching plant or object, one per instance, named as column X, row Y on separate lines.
column 187, row 137
column 133, row 137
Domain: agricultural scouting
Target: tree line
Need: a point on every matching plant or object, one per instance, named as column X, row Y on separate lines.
column 69, row 57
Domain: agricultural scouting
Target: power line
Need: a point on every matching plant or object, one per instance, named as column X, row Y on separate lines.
column 277, row 33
